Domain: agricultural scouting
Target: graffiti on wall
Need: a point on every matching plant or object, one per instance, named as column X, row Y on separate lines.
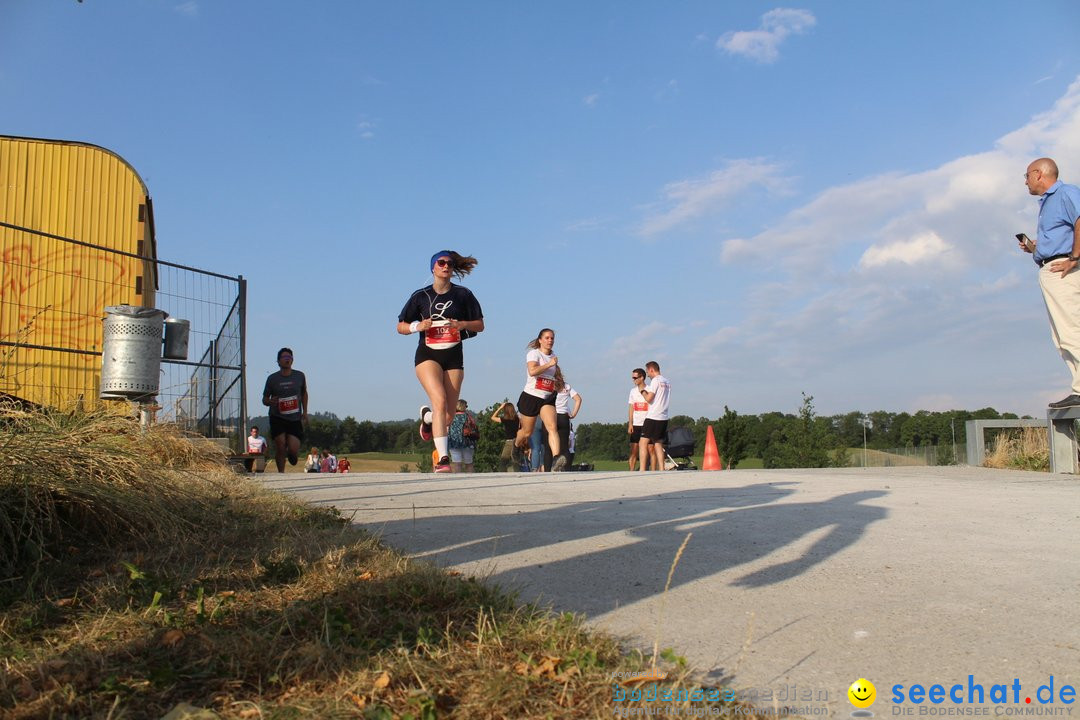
column 57, row 297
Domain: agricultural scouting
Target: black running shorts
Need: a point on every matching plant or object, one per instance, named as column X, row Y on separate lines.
column 654, row 430
column 529, row 405
column 279, row 425
column 449, row 359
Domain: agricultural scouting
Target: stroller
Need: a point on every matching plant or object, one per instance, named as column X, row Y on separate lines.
column 679, row 446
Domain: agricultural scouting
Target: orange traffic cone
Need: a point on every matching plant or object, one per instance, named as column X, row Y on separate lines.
column 712, row 455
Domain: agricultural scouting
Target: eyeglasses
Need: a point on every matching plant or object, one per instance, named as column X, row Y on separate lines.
column 442, row 262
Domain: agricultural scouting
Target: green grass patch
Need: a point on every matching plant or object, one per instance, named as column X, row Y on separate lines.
column 374, row 462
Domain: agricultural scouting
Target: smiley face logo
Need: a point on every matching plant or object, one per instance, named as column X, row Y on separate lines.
column 862, row 693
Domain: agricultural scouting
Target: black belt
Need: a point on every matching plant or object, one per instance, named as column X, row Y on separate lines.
column 1042, row 262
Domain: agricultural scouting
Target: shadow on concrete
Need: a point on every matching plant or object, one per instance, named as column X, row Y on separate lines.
column 596, row 556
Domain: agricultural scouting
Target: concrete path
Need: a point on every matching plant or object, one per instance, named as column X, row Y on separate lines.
column 794, row 584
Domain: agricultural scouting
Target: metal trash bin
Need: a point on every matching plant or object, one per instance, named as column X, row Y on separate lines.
column 131, row 352
column 176, row 339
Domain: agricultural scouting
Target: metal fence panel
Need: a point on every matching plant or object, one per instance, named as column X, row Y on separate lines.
column 62, row 368
column 909, row 456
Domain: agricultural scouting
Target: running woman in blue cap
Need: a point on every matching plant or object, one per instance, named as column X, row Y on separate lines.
column 443, row 314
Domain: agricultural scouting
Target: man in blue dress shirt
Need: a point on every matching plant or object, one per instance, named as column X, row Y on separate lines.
column 1057, row 253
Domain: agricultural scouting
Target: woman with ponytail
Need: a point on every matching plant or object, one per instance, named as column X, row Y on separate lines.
column 443, row 315
column 538, row 397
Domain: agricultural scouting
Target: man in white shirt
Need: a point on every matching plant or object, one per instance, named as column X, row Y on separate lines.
column 653, row 432
column 256, row 445
column 638, row 408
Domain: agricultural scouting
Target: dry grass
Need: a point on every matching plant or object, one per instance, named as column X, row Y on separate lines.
column 69, row 479
column 154, row 587
column 1027, row 450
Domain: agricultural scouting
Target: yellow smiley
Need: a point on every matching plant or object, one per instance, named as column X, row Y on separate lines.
column 862, row 693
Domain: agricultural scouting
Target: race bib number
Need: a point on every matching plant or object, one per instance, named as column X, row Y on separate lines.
column 440, row 336
column 545, row 384
column 641, row 407
column 289, row 404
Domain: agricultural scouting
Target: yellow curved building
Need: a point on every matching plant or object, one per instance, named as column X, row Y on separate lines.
column 76, row 235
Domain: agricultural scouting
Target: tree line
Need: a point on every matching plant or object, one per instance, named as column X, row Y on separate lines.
column 801, row 439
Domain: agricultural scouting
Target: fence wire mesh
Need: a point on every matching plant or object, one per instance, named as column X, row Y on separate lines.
column 909, row 456
column 53, row 295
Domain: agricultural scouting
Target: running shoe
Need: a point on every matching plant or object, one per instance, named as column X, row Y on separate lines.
column 425, row 427
column 292, row 458
column 443, row 466
column 560, row 464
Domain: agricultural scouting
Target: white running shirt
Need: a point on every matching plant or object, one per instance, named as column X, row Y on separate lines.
column 562, row 399
column 637, row 401
column 542, row 385
column 658, row 408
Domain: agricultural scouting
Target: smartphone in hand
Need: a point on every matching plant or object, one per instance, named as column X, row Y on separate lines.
column 1026, row 242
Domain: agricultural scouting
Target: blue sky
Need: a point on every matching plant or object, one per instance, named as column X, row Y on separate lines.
column 767, row 199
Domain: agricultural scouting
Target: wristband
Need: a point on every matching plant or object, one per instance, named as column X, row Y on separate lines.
column 413, row 325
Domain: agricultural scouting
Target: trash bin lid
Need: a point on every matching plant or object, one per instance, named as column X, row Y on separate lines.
column 134, row 311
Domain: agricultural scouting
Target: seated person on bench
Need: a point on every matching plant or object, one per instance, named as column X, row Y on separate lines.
column 256, row 445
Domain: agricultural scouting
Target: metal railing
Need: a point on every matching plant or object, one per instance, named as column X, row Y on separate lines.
column 909, row 456
column 53, row 294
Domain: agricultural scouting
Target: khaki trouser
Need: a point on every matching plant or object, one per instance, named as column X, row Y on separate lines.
column 1062, row 297
column 506, row 459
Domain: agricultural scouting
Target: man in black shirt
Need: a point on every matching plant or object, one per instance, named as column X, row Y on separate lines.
column 286, row 395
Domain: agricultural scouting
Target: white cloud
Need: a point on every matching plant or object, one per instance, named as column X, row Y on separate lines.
column 586, row 224
column 189, row 8
column 906, row 288
column 969, row 200
column 924, row 247
column 366, row 128
column 993, row 286
column 763, row 44
column 977, row 201
column 719, row 340
column 646, row 339
column 694, row 198
column 590, row 100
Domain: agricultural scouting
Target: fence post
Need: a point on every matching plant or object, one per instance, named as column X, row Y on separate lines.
column 212, row 430
column 1062, row 437
column 242, row 309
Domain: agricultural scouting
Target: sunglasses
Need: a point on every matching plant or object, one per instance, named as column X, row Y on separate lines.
column 442, row 262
